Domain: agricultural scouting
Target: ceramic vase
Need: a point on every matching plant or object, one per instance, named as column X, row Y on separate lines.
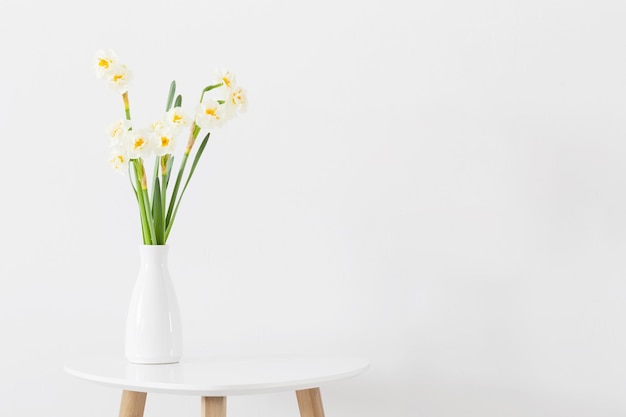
column 153, row 327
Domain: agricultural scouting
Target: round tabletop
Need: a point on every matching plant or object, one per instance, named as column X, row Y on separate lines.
column 219, row 376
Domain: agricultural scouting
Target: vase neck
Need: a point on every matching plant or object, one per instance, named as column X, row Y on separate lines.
column 154, row 254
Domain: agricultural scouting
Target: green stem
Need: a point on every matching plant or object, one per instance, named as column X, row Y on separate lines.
column 156, row 199
column 193, row 168
column 170, row 210
column 163, row 199
column 149, row 219
column 126, row 105
column 144, row 204
column 209, row 88
column 142, row 208
column 146, row 201
column 179, row 178
column 157, row 165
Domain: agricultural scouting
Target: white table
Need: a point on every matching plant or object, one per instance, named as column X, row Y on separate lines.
column 214, row 379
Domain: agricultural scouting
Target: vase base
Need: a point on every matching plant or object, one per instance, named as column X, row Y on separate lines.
column 152, row 362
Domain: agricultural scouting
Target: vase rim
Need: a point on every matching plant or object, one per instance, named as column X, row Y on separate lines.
column 154, row 248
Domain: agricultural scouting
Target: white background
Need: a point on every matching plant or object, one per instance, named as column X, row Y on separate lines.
column 437, row 186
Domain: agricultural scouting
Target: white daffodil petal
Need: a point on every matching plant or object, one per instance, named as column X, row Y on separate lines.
column 175, row 118
column 119, row 78
column 225, row 77
column 104, row 61
column 117, row 129
column 140, row 144
column 164, row 142
column 119, row 162
column 157, row 126
column 239, row 99
column 210, row 114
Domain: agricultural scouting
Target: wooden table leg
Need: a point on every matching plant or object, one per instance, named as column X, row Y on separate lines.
column 213, row 406
column 133, row 404
column 310, row 402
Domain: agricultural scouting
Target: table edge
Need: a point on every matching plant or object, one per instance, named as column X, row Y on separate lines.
column 222, row 390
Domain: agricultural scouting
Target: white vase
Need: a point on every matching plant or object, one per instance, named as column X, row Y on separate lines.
column 153, row 329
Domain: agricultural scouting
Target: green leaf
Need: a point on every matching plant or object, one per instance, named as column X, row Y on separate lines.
column 163, row 205
column 157, row 214
column 155, row 176
column 170, row 97
column 179, row 178
column 170, row 164
column 179, row 101
column 196, row 160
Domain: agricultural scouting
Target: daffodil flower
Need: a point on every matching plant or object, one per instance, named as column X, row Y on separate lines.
column 225, row 77
column 140, row 143
column 235, row 102
column 210, row 114
column 105, row 61
column 157, row 126
column 117, row 130
column 119, row 162
column 177, row 119
column 164, row 141
column 119, row 78
column 239, row 99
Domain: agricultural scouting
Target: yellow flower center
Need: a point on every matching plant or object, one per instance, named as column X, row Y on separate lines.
column 117, row 77
column 177, row 118
column 237, row 97
column 211, row 112
column 226, row 81
column 139, row 143
column 103, row 63
column 117, row 161
column 165, row 141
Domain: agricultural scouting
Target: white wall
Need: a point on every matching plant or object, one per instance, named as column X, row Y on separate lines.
column 438, row 186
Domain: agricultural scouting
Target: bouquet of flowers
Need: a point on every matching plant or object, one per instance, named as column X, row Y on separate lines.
column 132, row 147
